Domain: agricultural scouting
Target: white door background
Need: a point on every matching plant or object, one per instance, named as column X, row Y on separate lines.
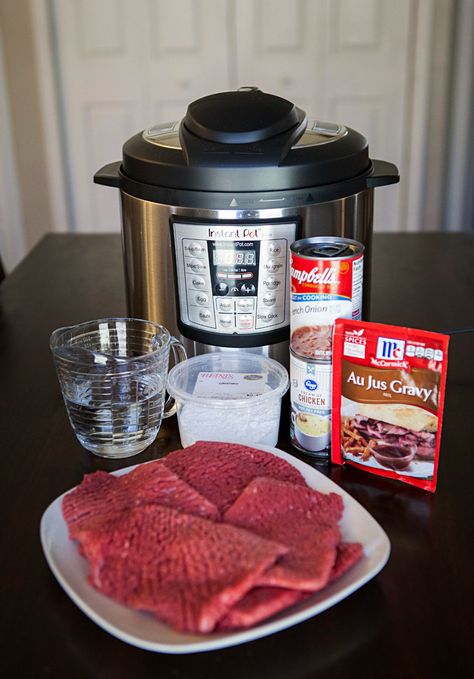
column 124, row 65
column 12, row 242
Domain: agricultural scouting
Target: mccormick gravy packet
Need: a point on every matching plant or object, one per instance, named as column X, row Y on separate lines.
column 388, row 397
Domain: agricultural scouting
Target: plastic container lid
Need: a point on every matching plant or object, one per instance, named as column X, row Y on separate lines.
column 183, row 378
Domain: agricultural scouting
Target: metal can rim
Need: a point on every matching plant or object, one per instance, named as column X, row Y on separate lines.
column 308, row 359
column 303, row 242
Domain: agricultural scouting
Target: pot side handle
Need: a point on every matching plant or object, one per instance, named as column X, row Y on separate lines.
column 109, row 175
column 383, row 173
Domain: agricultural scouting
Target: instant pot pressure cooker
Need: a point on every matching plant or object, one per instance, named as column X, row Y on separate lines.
column 212, row 202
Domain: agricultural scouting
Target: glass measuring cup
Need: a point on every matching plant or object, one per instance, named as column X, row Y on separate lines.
column 112, row 373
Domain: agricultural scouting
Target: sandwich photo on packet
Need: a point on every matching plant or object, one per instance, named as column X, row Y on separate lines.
column 388, row 397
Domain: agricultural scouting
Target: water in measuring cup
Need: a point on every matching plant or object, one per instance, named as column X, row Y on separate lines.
column 116, row 422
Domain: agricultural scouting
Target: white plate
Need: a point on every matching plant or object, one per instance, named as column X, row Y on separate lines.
column 142, row 630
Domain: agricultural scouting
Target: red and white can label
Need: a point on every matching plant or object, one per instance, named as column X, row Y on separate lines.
column 321, row 291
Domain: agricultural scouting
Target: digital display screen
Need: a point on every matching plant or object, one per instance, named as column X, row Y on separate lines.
column 223, row 257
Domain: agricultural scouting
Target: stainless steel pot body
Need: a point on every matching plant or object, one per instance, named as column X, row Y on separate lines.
column 149, row 271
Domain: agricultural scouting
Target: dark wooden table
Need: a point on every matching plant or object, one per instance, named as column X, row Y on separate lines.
column 414, row 620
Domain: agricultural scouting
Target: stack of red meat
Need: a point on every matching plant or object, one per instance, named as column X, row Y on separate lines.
column 217, row 536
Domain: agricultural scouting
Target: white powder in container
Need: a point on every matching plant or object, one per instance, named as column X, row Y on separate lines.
column 254, row 424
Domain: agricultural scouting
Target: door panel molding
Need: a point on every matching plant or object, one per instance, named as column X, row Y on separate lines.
column 12, row 239
column 459, row 178
column 57, row 166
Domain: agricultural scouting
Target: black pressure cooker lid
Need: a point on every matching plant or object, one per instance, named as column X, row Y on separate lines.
column 245, row 141
column 241, row 117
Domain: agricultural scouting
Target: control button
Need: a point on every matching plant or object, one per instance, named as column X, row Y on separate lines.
column 201, row 298
column 244, row 305
column 225, row 304
column 247, row 289
column 234, row 290
column 272, row 283
column 269, row 299
column 195, row 282
column 225, row 320
column 221, row 289
column 198, row 282
column 194, row 248
column 196, row 265
column 266, row 317
column 273, row 266
column 274, row 248
column 199, row 316
column 245, row 321
column 247, row 275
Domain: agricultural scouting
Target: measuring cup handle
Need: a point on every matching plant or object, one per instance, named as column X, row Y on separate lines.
column 179, row 354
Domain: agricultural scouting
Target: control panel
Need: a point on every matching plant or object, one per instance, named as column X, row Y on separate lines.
column 233, row 279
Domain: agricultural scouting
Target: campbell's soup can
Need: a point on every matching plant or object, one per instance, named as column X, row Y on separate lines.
column 326, row 283
column 310, row 396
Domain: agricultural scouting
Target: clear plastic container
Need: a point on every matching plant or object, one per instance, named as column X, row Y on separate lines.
column 228, row 396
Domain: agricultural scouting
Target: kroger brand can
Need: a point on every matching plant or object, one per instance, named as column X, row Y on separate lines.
column 326, row 283
column 310, row 395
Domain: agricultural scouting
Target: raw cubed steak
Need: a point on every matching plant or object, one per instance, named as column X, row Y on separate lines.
column 260, row 603
column 299, row 517
column 101, row 495
column 348, row 554
column 186, row 570
column 220, row 471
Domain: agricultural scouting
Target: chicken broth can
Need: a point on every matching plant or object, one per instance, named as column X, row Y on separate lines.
column 310, row 395
column 326, row 283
